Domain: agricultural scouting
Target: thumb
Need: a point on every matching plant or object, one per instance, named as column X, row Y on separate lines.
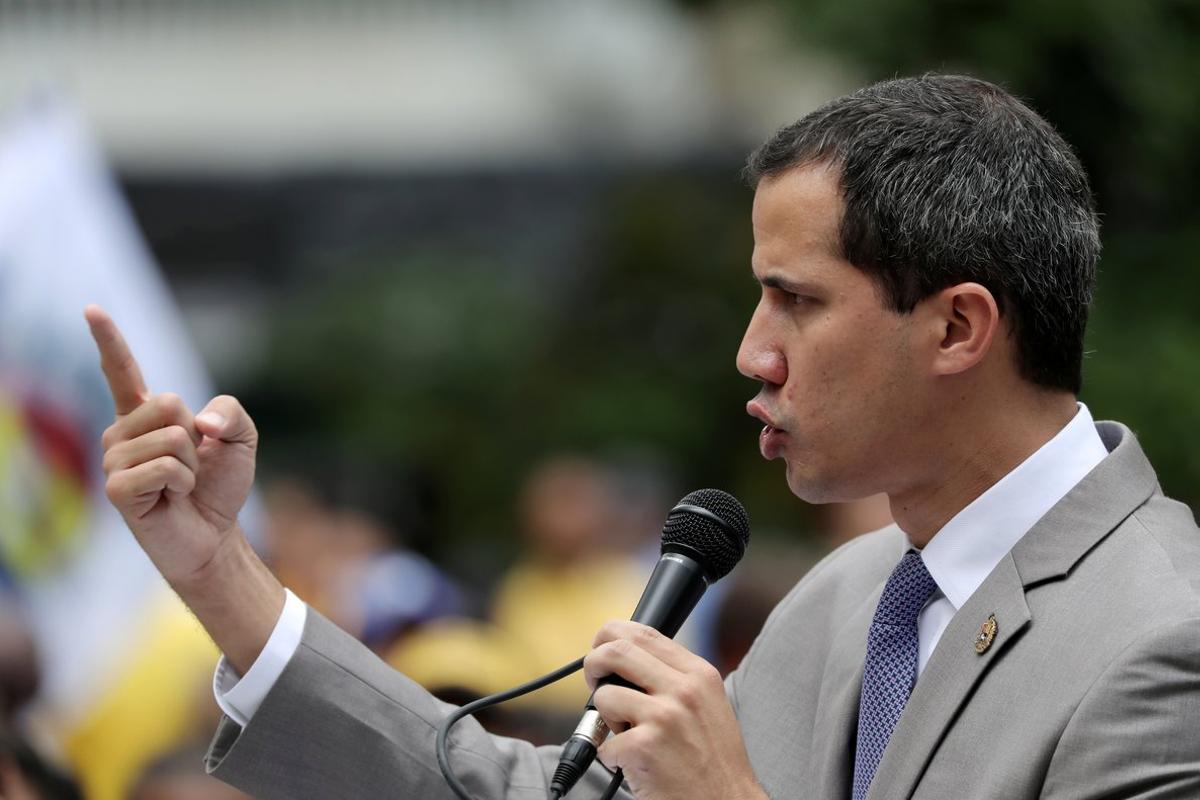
column 225, row 419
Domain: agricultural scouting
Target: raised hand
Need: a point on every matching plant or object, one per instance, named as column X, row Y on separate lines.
column 179, row 481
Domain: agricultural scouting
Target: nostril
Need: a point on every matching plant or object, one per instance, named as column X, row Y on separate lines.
column 763, row 365
column 771, row 370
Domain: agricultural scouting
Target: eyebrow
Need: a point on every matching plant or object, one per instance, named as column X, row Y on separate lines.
column 776, row 281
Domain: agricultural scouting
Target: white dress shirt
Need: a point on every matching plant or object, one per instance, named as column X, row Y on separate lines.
column 972, row 543
column 958, row 557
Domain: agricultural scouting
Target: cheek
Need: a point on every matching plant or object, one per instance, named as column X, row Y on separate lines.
column 820, row 374
column 849, row 383
column 888, row 391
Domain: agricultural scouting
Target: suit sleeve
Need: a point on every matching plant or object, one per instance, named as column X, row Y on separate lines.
column 1136, row 734
column 340, row 723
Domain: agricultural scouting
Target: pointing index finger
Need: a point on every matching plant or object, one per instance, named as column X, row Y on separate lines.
column 120, row 368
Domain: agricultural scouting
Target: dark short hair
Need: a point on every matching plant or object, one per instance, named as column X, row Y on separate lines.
column 947, row 179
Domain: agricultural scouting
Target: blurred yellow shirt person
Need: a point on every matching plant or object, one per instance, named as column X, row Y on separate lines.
column 160, row 699
column 554, row 610
column 572, row 578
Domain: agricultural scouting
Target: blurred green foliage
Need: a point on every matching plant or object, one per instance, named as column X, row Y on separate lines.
column 463, row 365
column 1119, row 81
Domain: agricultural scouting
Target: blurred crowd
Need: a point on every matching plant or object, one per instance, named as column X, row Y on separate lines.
column 587, row 536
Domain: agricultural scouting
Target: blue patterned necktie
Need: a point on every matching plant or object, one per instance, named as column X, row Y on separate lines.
column 891, row 666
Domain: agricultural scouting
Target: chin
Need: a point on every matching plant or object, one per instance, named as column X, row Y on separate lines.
column 821, row 489
column 808, row 487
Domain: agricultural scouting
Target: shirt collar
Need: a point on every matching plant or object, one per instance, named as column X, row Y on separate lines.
column 968, row 547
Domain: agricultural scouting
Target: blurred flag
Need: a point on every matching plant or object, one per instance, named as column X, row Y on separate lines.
column 98, row 608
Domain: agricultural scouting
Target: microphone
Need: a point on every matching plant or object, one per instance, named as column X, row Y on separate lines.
column 704, row 537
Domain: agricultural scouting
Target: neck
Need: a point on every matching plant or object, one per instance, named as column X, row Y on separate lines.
column 974, row 457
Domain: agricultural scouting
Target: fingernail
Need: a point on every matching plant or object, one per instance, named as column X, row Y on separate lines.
column 211, row 419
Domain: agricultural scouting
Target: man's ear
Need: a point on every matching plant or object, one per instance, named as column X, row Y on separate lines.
column 966, row 319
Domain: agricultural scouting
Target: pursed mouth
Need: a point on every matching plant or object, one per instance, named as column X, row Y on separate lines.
column 756, row 409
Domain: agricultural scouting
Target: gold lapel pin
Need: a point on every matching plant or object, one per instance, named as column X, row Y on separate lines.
column 987, row 633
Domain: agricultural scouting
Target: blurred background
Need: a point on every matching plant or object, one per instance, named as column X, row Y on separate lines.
column 479, row 269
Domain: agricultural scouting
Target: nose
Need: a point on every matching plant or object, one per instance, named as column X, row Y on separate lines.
column 760, row 356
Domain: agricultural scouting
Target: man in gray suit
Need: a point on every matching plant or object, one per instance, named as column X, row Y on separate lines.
column 1030, row 627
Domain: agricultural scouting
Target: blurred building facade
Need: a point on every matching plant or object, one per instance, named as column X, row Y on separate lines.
column 260, row 86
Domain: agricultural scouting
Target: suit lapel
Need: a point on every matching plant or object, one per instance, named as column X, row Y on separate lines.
column 1076, row 524
column 1090, row 511
column 837, row 706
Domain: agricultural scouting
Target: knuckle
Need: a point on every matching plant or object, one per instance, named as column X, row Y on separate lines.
column 591, row 664
column 115, row 489
column 689, row 693
column 709, row 675
column 604, row 659
column 124, row 361
column 156, row 469
column 658, row 715
column 177, row 438
column 175, row 474
column 116, row 460
column 169, row 404
column 230, row 406
column 646, row 634
column 607, row 632
column 619, row 647
column 167, row 466
column 601, row 697
column 110, row 436
column 232, row 409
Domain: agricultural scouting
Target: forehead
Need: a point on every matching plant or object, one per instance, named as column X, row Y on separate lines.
column 796, row 218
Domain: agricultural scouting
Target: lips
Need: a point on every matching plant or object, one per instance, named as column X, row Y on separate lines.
column 772, row 439
column 772, row 442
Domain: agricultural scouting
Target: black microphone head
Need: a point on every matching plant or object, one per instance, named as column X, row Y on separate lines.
column 710, row 526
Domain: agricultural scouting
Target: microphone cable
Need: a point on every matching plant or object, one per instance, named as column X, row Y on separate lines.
column 443, row 734
column 703, row 538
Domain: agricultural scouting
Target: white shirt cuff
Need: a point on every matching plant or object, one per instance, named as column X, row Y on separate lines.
column 239, row 696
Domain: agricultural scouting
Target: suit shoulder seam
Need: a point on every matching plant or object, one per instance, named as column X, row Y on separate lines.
column 1136, row 517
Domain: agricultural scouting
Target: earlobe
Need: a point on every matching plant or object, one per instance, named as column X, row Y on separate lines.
column 969, row 317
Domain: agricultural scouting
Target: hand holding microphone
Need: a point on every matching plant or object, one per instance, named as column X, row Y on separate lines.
column 676, row 734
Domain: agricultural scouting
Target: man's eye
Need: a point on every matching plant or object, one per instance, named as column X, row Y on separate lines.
column 784, row 297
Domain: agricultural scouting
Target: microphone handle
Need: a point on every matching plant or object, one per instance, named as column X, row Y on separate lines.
column 676, row 585
column 674, row 588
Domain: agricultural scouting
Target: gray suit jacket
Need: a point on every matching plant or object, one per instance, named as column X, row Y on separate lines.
column 1090, row 689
